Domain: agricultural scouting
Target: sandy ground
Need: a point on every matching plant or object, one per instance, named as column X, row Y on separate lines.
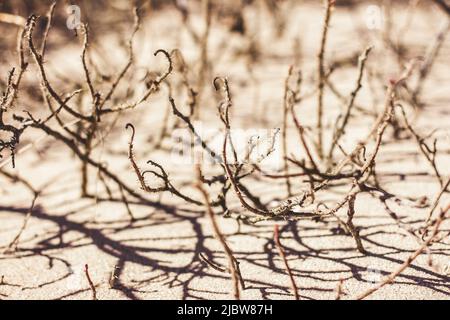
column 157, row 256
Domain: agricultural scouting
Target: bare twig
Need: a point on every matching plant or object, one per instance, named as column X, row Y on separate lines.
column 137, row 25
column 232, row 262
column 12, row 19
column 380, row 124
column 127, row 205
column 12, row 246
column 50, row 14
column 390, row 279
column 213, row 265
column 429, row 153
column 17, row 178
column 321, row 74
column 430, row 59
column 286, row 106
column 438, row 199
column 443, row 5
column 113, row 277
column 340, row 130
column 31, row 24
column 353, row 230
column 301, row 132
column 340, row 290
column 91, row 284
column 276, row 237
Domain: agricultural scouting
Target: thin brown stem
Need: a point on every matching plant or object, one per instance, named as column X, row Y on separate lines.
column 438, row 199
column 276, row 237
column 340, row 130
column 340, row 290
column 232, row 262
column 390, row 279
column 353, row 230
column 429, row 153
column 12, row 246
column 91, row 284
column 321, row 75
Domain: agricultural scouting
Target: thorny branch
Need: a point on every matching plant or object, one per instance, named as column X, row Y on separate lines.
column 12, row 246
